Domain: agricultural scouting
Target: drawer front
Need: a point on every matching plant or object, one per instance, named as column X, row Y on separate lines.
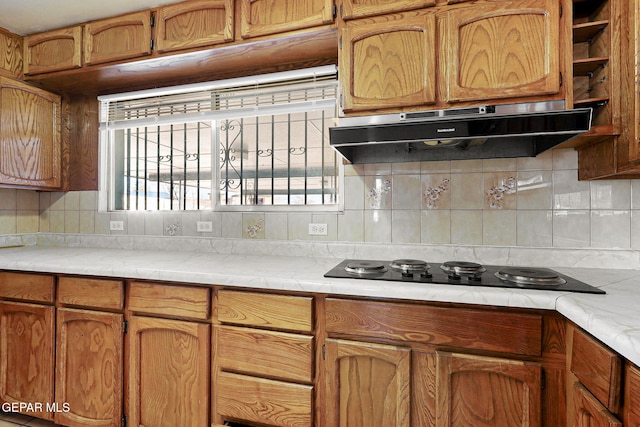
column 99, row 293
column 169, row 300
column 505, row 332
column 265, row 311
column 28, row 287
column 254, row 399
column 598, row 368
column 266, row 353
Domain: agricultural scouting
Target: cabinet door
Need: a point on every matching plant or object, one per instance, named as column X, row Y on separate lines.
column 53, row 50
column 261, row 17
column 359, row 8
column 588, row 412
column 122, row 37
column 388, row 61
column 632, row 397
column 488, row 391
column 367, row 384
column 168, row 373
column 89, row 368
column 194, row 24
column 27, row 355
column 30, row 143
column 507, row 49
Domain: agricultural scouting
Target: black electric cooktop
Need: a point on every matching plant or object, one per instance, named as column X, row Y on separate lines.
column 460, row 273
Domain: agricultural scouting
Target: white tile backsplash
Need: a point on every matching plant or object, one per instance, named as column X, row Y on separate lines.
column 401, row 203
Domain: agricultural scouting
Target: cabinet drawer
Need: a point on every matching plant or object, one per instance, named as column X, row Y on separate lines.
column 506, row 332
column 28, row 287
column 254, row 399
column 598, row 368
column 169, row 300
column 266, row 353
column 99, row 293
column 266, row 311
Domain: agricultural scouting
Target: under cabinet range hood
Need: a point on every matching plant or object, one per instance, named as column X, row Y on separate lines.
column 487, row 132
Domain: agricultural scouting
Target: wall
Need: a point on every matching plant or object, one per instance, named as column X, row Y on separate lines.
column 531, row 202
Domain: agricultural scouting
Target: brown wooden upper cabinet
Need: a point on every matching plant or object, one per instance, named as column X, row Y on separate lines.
column 350, row 9
column 122, row 37
column 53, row 50
column 193, row 24
column 30, row 136
column 262, row 17
column 498, row 50
column 388, row 61
column 477, row 52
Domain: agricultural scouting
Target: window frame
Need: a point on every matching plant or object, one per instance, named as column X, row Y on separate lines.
column 107, row 160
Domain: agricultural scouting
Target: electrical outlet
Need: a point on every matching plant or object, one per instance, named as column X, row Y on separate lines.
column 116, row 225
column 204, row 226
column 317, row 229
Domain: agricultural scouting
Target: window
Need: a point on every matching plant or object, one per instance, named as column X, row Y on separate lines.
column 240, row 144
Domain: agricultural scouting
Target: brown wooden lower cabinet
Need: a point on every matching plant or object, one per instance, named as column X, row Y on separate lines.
column 632, row 397
column 89, row 368
column 482, row 391
column 339, row 362
column 169, row 373
column 589, row 412
column 27, row 356
column 367, row 384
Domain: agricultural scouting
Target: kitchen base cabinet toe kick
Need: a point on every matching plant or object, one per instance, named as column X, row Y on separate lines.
column 116, row 352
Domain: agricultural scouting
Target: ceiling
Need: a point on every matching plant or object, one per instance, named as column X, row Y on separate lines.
column 33, row 16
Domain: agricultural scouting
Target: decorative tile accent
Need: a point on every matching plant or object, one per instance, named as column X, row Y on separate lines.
column 173, row 228
column 496, row 194
column 433, row 196
column 253, row 231
column 379, row 192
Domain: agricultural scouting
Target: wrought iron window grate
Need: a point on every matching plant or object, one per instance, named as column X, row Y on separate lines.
column 229, row 147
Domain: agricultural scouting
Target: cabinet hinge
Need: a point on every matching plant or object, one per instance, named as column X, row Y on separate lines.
column 340, row 42
column 561, row 9
column 543, row 380
column 125, row 326
column 153, row 20
column 124, row 421
column 560, row 79
column 153, row 44
column 324, row 352
column 341, row 11
column 335, row 11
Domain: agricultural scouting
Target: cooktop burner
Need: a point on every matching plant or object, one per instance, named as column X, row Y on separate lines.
column 460, row 273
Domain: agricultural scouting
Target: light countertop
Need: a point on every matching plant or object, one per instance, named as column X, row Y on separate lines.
column 613, row 318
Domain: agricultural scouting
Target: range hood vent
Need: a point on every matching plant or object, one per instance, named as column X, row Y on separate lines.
column 487, row 132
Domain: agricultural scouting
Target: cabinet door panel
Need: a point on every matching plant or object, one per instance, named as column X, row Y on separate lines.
column 53, row 51
column 89, row 368
column 27, row 355
column 388, row 61
column 367, row 384
column 588, row 412
column 261, row 17
column 359, row 8
column 195, row 23
column 30, row 145
column 504, row 50
column 122, row 37
column 168, row 373
column 632, row 397
column 481, row 391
